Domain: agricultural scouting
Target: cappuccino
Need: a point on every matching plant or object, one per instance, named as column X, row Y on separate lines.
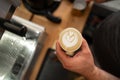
column 70, row 40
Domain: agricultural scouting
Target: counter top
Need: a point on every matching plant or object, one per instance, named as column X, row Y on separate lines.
column 64, row 11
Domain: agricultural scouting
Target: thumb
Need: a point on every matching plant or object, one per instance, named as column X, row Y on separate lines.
column 61, row 54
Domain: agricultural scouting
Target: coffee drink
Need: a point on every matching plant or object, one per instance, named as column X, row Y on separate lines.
column 70, row 40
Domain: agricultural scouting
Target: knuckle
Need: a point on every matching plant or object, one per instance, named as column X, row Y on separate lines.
column 66, row 66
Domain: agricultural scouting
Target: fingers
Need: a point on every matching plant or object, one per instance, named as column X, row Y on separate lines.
column 84, row 48
column 84, row 44
column 64, row 58
column 61, row 54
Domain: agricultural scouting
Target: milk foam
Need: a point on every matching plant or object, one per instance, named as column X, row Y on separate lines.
column 70, row 38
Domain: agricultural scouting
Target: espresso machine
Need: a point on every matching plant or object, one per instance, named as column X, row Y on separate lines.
column 20, row 43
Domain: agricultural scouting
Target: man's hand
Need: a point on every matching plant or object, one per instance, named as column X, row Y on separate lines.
column 81, row 63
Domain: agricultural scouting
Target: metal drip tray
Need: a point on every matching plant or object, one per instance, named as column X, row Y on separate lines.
column 17, row 54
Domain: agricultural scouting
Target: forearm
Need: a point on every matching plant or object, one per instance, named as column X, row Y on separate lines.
column 99, row 74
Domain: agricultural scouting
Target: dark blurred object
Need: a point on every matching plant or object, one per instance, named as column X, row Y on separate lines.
column 43, row 7
column 98, row 13
column 13, row 27
column 39, row 4
column 71, row 0
column 52, row 69
column 1, row 32
column 106, row 44
column 106, row 41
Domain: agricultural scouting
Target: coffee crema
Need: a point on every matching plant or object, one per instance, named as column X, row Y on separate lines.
column 70, row 40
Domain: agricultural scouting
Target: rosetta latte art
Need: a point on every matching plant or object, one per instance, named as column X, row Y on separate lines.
column 69, row 38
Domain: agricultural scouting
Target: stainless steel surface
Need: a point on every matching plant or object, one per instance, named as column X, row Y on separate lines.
column 7, row 7
column 11, row 46
column 17, row 53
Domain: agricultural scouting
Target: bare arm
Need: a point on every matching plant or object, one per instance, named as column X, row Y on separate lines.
column 83, row 63
column 100, row 74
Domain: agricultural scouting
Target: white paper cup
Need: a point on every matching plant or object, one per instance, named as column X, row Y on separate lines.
column 70, row 40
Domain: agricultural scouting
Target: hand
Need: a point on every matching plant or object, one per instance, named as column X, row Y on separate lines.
column 82, row 62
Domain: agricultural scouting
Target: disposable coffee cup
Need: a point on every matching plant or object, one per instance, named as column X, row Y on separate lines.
column 70, row 40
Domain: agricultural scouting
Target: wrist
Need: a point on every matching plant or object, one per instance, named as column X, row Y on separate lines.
column 99, row 74
column 94, row 72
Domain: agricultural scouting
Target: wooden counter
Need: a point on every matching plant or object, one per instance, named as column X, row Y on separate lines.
column 64, row 11
column 23, row 12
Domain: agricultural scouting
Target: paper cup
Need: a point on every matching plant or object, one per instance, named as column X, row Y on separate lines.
column 70, row 40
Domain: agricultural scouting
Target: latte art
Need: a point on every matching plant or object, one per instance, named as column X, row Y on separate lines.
column 70, row 40
column 70, row 36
